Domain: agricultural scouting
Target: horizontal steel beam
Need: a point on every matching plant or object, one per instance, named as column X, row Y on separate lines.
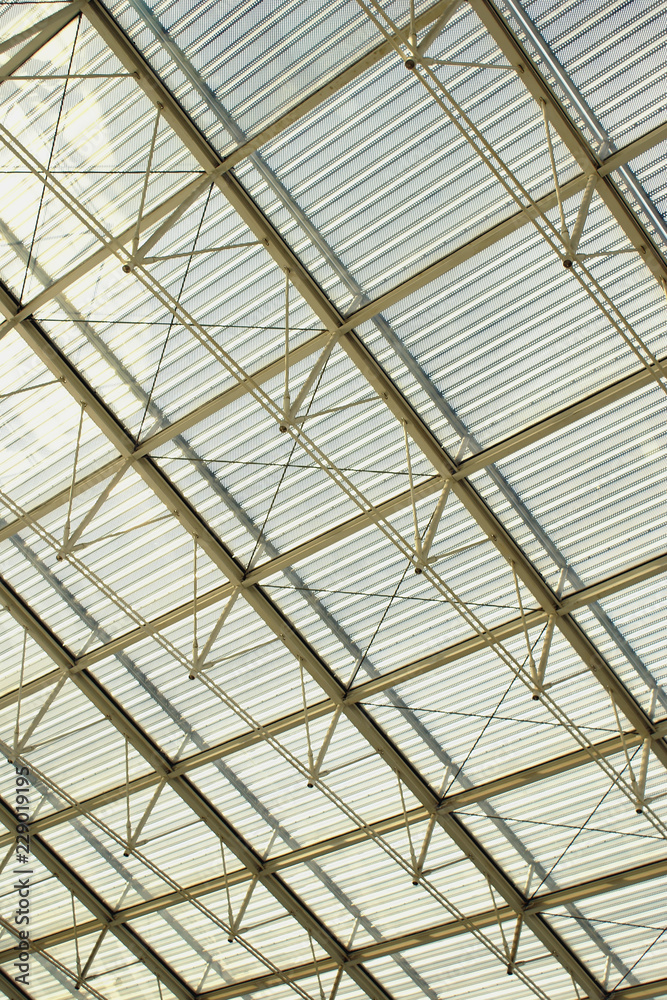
column 379, row 949
column 239, row 744
column 571, row 135
column 496, row 233
column 375, row 376
column 555, row 422
column 102, row 913
column 392, row 678
column 587, row 595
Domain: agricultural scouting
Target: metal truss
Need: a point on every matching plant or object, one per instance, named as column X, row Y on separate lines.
column 451, row 476
column 368, row 366
column 354, row 713
column 357, row 956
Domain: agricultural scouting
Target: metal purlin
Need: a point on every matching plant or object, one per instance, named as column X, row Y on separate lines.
column 381, row 324
column 422, row 731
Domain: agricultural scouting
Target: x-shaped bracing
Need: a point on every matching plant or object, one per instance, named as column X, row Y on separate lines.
column 376, row 378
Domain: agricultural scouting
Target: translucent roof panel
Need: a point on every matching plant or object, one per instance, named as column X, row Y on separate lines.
column 332, row 525
column 613, row 62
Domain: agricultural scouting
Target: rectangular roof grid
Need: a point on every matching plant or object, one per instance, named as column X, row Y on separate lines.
column 614, row 62
column 264, row 792
column 254, row 63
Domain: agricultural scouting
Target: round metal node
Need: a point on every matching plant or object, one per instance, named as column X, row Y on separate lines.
column 191, row 677
column 230, row 940
column 415, row 881
column 126, row 854
column 410, row 64
column 282, row 429
column 418, row 570
column 567, row 262
column 310, row 784
column 639, row 811
column 126, row 269
column 536, row 697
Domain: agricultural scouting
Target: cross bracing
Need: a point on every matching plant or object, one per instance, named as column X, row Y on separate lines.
column 274, row 551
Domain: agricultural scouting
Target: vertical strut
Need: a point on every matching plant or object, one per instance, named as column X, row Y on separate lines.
column 20, row 694
column 68, row 518
column 582, row 213
column 128, row 818
column 563, row 231
column 325, row 743
column 195, row 598
column 286, row 399
column 142, row 200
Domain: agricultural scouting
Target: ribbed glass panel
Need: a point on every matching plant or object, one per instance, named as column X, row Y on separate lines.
column 182, row 701
column 590, row 832
column 612, row 57
column 629, row 920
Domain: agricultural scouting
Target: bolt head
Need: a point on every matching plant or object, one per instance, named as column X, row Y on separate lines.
column 410, row 64
column 282, row 428
column 126, row 268
column 567, row 262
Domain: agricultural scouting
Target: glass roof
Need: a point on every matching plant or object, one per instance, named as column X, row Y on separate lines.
column 333, row 528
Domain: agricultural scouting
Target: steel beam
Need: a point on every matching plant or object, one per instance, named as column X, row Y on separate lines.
column 570, row 134
column 217, row 824
column 295, row 643
column 12, row 989
column 75, row 884
column 259, row 601
column 309, row 103
column 452, row 802
column 369, row 367
column 388, row 946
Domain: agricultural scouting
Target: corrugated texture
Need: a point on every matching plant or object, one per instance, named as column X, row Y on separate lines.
column 373, row 184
